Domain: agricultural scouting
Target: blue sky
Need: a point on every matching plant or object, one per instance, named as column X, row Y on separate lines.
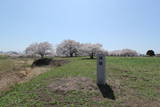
column 116, row 24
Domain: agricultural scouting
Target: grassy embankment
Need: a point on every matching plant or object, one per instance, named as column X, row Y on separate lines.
column 135, row 81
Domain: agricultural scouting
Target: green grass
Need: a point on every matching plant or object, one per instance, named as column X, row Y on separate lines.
column 134, row 81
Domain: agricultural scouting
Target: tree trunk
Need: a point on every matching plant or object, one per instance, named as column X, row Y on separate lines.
column 42, row 56
column 91, row 56
column 71, row 54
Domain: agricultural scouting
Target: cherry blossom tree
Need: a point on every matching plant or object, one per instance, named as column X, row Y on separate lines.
column 91, row 49
column 68, row 48
column 42, row 49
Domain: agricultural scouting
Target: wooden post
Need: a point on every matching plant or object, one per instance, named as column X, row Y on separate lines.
column 101, row 78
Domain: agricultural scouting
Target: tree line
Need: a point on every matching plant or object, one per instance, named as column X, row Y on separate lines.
column 72, row 48
column 68, row 48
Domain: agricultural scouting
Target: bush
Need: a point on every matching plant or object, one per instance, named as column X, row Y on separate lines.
column 42, row 62
column 49, row 62
column 150, row 53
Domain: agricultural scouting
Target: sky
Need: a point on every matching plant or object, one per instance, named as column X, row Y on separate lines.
column 116, row 24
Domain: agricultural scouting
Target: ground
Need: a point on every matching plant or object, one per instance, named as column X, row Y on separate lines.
column 134, row 81
column 17, row 70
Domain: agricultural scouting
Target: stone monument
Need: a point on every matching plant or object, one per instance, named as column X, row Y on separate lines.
column 101, row 77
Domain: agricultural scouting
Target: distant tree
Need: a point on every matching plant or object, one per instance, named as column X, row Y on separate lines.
column 105, row 52
column 150, row 53
column 115, row 53
column 129, row 52
column 42, row 49
column 158, row 55
column 124, row 52
column 91, row 49
column 11, row 53
column 32, row 50
column 68, row 48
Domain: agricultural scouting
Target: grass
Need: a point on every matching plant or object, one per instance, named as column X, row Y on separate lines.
column 135, row 80
column 13, row 64
column 6, row 64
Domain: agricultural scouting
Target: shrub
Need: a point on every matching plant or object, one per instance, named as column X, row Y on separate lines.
column 150, row 53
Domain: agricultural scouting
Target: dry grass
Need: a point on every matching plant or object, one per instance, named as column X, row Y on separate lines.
column 13, row 71
column 72, row 83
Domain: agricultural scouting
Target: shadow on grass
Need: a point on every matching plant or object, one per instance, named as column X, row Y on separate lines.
column 106, row 91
